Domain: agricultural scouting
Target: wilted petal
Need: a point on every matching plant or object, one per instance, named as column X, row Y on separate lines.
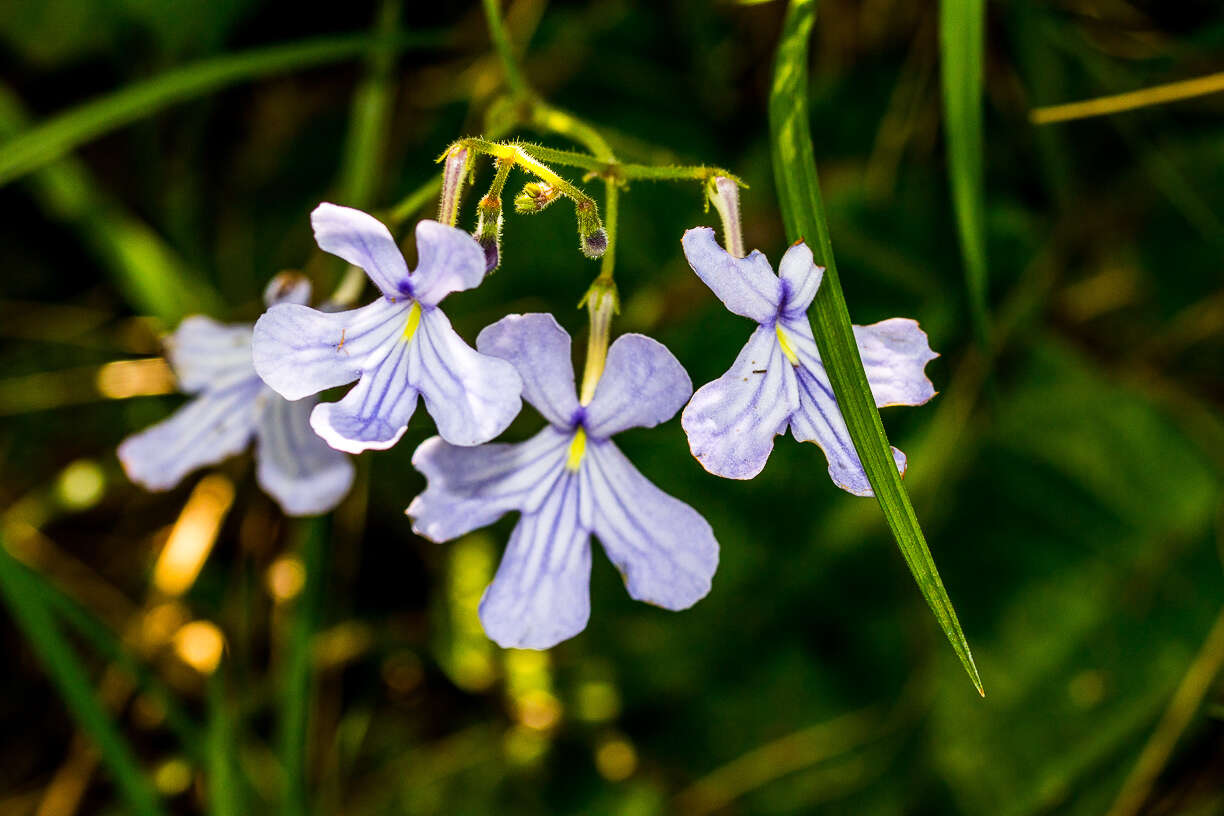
column 800, row 278
column 541, row 593
column 362, row 240
column 664, row 549
column 300, row 351
column 894, row 353
column 471, row 396
column 748, row 286
column 375, row 413
column 449, row 260
column 642, row 385
column 539, row 349
column 205, row 431
column 731, row 422
column 207, row 354
column 469, row 488
column 295, row 466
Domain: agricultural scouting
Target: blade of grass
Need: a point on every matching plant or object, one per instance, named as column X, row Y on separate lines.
column 961, row 45
column 151, row 276
column 63, row 132
column 297, row 680
column 803, row 213
column 69, row 677
column 224, row 791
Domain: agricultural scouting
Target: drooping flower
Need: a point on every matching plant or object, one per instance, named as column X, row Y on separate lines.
column 778, row 380
column 568, row 482
column 213, row 362
column 396, row 348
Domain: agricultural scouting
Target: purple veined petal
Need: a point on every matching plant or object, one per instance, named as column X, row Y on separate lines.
column 800, row 278
column 364, row 241
column 731, row 422
column 295, row 466
column 820, row 420
column 287, row 287
column 207, row 430
column 471, row 396
column 206, row 354
column 541, row 593
column 664, row 548
column 299, row 351
column 748, row 286
column 449, row 260
column 643, row 384
column 895, row 353
column 375, row 413
column 539, row 349
column 469, row 488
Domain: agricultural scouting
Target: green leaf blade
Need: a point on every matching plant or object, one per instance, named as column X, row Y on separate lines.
column 961, row 47
column 803, row 214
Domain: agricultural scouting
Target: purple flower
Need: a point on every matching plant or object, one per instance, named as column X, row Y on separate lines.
column 396, row 348
column 778, row 380
column 213, row 362
column 568, row 482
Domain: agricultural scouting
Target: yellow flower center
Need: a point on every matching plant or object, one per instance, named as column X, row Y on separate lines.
column 576, row 450
column 784, row 342
column 414, row 321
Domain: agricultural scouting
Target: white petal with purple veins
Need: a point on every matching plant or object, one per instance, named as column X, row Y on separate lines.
column 295, row 466
column 449, row 260
column 300, row 351
column 206, row 354
column 800, row 277
column 472, row 397
column 895, row 353
column 210, row 428
column 642, row 385
column 731, row 422
column 469, row 488
column 375, row 413
column 664, row 549
column 364, row 241
column 541, row 593
column 748, row 286
column 539, row 349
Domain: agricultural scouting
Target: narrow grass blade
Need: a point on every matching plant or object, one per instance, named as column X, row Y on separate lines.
column 60, row 134
column 961, row 46
column 803, row 214
column 34, row 621
column 297, row 681
column 224, row 791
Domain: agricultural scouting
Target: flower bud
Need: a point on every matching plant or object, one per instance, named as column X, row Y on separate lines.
column 454, row 175
column 535, row 197
column 488, row 230
column 592, row 239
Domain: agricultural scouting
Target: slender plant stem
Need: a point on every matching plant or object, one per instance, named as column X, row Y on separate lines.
column 69, row 677
column 1132, row 100
column 224, row 792
column 611, row 215
column 501, row 43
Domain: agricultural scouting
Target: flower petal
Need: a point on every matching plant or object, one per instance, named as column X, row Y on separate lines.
column 449, row 260
column 471, row 396
column 642, row 385
column 364, row 241
column 205, row 431
column 664, row 549
column 375, row 413
column 287, row 287
column 539, row 349
column 731, row 422
column 894, row 353
column 300, row 351
column 800, row 278
column 469, row 488
column 541, row 593
column 295, row 466
column 748, row 286
column 207, row 354
column 820, row 420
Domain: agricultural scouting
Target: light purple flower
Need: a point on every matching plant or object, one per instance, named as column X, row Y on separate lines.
column 778, row 380
column 568, row 482
column 232, row 405
column 396, row 348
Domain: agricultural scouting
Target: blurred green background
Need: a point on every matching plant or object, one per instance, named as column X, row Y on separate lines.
column 1067, row 476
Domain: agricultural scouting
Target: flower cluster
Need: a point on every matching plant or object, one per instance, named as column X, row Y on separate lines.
column 569, row 481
